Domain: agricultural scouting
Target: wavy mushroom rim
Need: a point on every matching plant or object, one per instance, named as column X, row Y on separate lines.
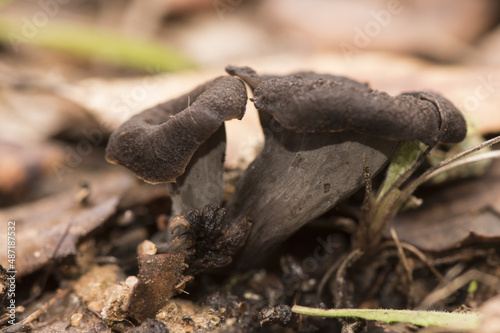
column 158, row 144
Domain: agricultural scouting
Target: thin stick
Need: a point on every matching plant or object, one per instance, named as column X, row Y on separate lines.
column 328, row 275
column 459, row 282
column 419, row 254
column 406, row 265
column 463, row 161
column 449, row 160
column 340, row 276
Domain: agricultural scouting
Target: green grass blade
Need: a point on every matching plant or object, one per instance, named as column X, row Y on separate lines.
column 455, row 320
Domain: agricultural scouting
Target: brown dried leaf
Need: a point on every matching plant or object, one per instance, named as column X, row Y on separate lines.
column 462, row 213
column 41, row 225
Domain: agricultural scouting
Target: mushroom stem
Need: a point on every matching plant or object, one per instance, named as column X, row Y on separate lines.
column 295, row 179
column 202, row 182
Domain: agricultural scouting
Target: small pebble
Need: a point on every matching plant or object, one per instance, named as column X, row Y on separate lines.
column 147, row 247
column 75, row 319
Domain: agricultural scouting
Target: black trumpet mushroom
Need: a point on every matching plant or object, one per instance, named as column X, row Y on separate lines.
column 319, row 132
column 182, row 142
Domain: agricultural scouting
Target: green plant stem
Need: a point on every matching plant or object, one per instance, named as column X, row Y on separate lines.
column 471, row 159
column 382, row 213
column 403, row 165
column 466, row 321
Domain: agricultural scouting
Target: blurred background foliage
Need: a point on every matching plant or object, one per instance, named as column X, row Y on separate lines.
column 174, row 35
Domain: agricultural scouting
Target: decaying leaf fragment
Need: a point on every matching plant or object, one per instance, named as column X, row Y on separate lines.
column 51, row 227
column 471, row 215
column 159, row 278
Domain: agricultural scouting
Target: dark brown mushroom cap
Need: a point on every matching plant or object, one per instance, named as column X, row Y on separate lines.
column 251, row 77
column 158, row 143
column 305, row 104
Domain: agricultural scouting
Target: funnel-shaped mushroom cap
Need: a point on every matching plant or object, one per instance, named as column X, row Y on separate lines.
column 158, row 144
column 314, row 105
